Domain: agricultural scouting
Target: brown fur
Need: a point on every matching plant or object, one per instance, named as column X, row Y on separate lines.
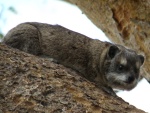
column 93, row 59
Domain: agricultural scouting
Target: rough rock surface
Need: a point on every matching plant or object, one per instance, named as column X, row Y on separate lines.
column 35, row 85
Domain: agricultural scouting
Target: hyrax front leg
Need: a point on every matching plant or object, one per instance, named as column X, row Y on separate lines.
column 109, row 90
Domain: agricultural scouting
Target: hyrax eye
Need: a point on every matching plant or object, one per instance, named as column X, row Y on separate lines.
column 121, row 67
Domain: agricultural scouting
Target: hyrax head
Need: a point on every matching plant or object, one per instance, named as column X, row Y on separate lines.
column 123, row 67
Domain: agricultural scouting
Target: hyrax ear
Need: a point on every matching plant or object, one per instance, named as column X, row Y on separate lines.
column 141, row 57
column 113, row 50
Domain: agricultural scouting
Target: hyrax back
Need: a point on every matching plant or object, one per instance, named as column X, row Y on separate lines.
column 106, row 64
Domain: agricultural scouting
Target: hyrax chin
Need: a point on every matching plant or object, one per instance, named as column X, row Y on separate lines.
column 107, row 65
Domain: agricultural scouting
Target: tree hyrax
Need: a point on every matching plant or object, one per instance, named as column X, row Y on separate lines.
column 108, row 65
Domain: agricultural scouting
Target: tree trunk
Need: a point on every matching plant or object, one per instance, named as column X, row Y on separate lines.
column 125, row 22
column 36, row 85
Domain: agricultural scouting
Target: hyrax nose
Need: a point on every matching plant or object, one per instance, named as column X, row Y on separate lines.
column 130, row 79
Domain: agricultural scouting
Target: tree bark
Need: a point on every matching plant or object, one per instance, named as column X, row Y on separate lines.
column 125, row 22
column 36, row 85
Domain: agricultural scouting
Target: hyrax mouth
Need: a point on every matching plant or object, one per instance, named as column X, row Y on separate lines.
column 123, row 85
